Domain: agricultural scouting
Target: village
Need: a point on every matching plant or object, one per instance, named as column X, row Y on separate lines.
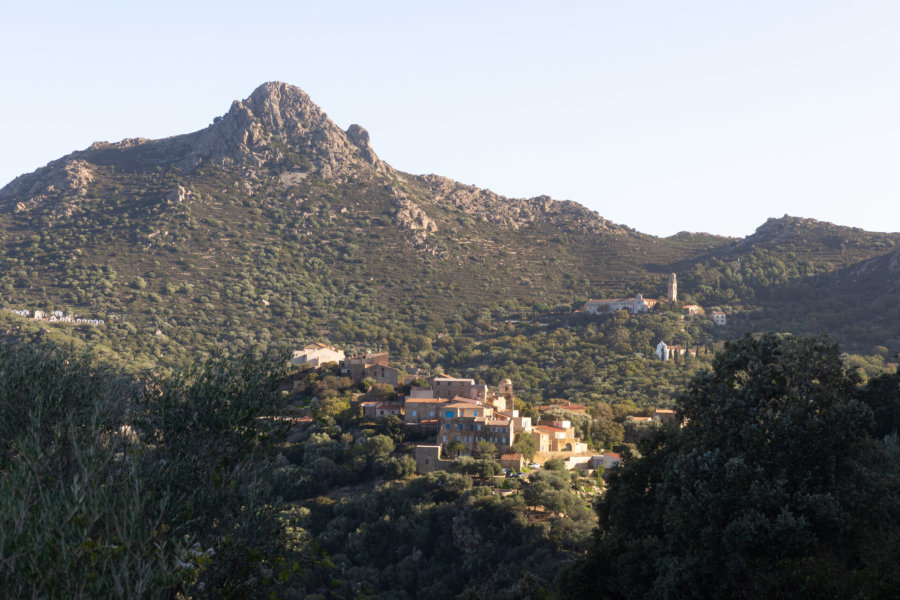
column 56, row 316
column 463, row 414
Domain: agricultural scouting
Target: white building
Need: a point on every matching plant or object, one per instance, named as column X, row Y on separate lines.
column 662, row 351
column 635, row 305
column 316, row 354
column 718, row 317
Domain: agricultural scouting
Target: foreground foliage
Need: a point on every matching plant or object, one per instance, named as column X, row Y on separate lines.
column 779, row 485
column 111, row 487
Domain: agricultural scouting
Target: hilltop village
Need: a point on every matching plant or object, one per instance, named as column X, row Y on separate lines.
column 457, row 416
column 461, row 416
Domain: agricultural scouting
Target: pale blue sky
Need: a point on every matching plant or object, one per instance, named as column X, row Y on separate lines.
column 663, row 116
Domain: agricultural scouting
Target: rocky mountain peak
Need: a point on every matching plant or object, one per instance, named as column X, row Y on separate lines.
column 278, row 124
column 278, row 117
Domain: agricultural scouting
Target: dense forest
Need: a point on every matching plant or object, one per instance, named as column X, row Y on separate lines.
column 781, row 482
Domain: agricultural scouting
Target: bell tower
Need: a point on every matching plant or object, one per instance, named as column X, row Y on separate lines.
column 673, row 288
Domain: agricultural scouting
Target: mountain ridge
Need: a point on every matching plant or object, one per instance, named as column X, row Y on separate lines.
column 272, row 222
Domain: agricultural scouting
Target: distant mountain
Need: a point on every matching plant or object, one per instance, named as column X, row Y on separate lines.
column 273, row 224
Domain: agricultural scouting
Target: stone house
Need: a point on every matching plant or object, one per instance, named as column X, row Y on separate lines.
column 419, row 410
column 428, row 459
column 382, row 374
column 451, row 387
column 469, row 422
column 355, row 366
column 692, row 309
column 514, row 461
column 664, row 415
column 379, row 410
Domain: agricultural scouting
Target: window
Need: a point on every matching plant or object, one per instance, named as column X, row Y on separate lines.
column 460, row 426
column 471, row 427
column 414, row 413
column 503, row 439
column 476, row 413
column 449, row 414
column 479, row 427
column 447, row 426
column 445, row 438
column 432, row 413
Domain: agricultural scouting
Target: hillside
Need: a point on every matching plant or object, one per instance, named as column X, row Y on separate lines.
column 274, row 225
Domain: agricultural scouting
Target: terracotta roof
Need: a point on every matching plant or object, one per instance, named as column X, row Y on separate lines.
column 613, row 455
column 548, row 429
column 641, row 418
column 426, row 400
column 454, row 379
column 513, row 456
column 318, row 345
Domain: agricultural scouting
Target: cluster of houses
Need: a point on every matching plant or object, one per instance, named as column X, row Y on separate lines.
column 462, row 412
column 638, row 304
column 57, row 316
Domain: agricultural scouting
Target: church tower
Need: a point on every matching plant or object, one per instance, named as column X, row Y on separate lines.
column 505, row 389
column 673, row 288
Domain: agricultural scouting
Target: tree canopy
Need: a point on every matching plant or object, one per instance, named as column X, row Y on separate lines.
column 774, row 487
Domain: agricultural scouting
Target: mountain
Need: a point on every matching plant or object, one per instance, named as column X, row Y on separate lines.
column 274, row 224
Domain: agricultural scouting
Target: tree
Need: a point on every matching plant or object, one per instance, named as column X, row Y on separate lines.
column 380, row 392
column 485, row 449
column 555, row 464
column 125, row 486
column 379, row 446
column 455, row 447
column 758, row 494
column 525, row 446
column 608, row 433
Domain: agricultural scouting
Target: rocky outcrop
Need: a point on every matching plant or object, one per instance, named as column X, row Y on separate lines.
column 178, row 195
column 278, row 117
column 279, row 136
column 512, row 213
column 58, row 184
column 410, row 216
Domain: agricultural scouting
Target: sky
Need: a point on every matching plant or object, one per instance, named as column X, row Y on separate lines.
column 662, row 116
